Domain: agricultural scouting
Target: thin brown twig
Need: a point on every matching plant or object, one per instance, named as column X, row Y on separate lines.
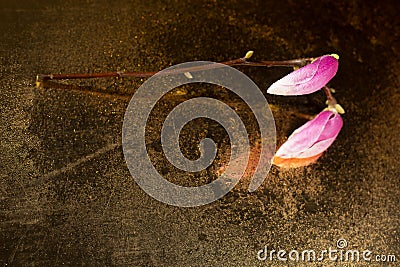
column 328, row 93
column 236, row 62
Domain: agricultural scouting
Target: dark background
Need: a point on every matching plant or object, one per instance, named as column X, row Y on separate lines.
column 66, row 195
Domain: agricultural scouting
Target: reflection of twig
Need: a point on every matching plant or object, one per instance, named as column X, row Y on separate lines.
column 303, row 116
column 87, row 89
column 277, row 108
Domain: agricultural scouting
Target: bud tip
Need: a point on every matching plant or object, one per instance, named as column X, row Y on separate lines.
column 335, row 56
column 339, row 109
column 248, row 54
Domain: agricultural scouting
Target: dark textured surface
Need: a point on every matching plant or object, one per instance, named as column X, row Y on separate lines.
column 66, row 195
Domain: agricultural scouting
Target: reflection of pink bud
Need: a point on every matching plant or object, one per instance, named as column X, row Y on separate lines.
column 306, row 144
column 307, row 79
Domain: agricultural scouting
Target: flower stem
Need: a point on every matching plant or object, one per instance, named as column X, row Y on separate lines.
column 236, row 62
column 329, row 96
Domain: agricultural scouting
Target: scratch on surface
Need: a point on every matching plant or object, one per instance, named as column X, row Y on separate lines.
column 71, row 166
column 12, row 255
column 58, row 253
column 108, row 202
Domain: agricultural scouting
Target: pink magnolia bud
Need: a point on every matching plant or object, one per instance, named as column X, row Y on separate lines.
column 306, row 144
column 307, row 79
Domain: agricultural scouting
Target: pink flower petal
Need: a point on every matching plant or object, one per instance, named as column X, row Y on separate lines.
column 332, row 127
column 317, row 148
column 310, row 140
column 307, row 79
column 304, row 137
